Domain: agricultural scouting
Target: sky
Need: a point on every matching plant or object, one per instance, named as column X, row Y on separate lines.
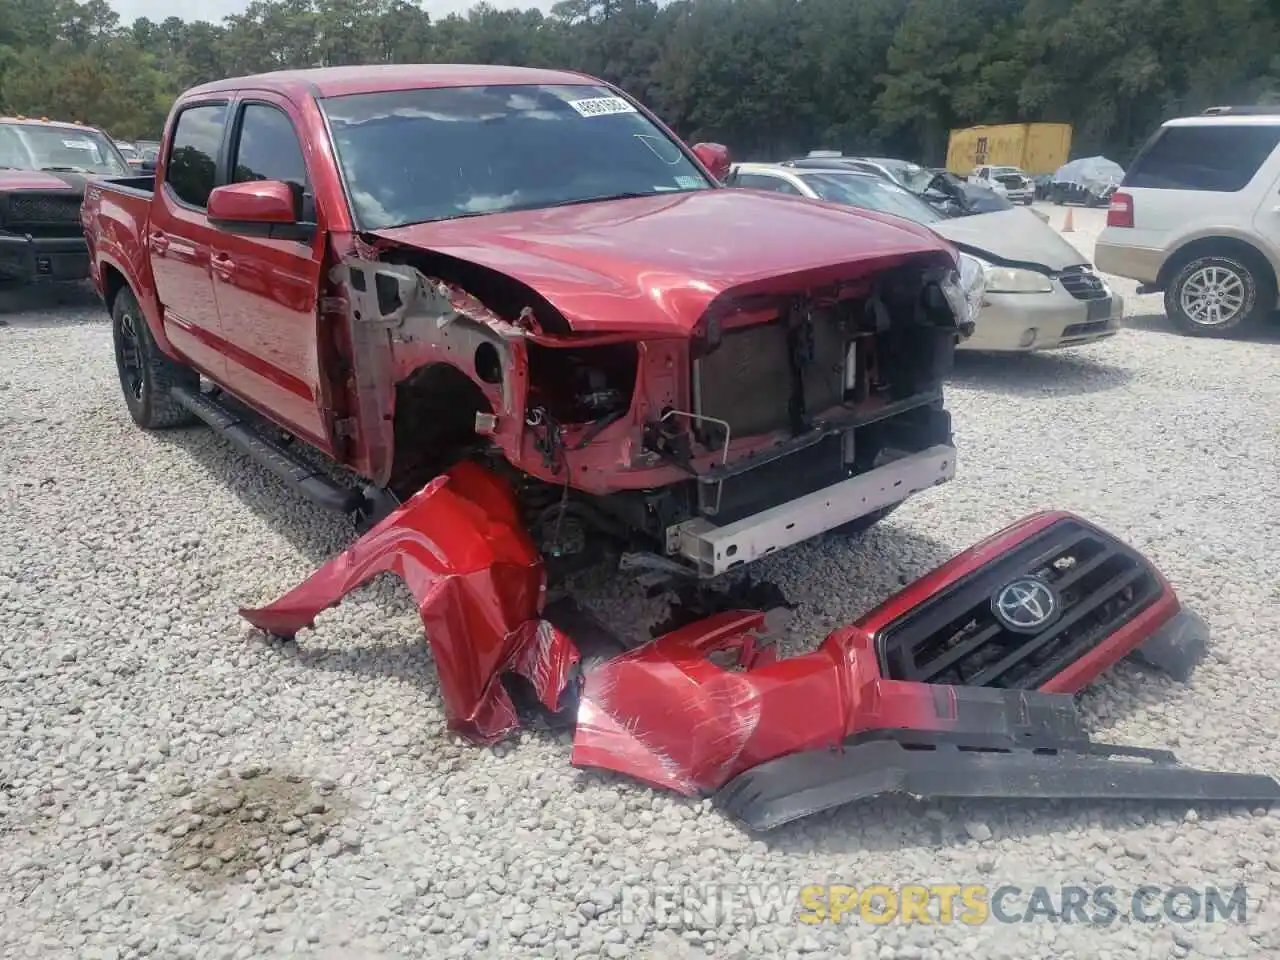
column 215, row 10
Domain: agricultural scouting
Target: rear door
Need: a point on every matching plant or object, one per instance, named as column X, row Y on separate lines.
column 267, row 290
column 179, row 234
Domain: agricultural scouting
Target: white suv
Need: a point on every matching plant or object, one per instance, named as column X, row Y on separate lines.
column 1197, row 217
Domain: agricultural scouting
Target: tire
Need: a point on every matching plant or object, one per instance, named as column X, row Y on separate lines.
column 856, row 528
column 146, row 374
column 1239, row 294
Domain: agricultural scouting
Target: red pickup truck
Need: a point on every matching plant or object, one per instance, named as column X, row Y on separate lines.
column 43, row 168
column 514, row 303
column 402, row 266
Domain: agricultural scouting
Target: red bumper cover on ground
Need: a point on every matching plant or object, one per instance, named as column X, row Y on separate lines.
column 938, row 690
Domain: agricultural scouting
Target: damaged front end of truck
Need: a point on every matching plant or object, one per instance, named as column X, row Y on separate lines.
column 958, row 686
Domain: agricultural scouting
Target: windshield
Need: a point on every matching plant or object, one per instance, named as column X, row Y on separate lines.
column 32, row 146
column 870, row 193
column 412, row 156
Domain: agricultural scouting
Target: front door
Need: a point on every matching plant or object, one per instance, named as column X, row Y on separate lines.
column 179, row 234
column 267, row 290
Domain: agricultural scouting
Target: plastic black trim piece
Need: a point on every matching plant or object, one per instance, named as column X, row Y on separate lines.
column 1005, row 744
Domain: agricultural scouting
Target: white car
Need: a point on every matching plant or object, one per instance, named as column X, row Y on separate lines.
column 1029, row 289
column 1009, row 182
column 1197, row 218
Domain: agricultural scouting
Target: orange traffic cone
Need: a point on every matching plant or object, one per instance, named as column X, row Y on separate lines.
column 1070, row 225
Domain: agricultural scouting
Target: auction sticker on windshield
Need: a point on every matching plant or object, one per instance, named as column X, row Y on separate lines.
column 601, row 106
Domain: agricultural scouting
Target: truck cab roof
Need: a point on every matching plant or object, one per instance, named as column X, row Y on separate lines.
column 323, row 82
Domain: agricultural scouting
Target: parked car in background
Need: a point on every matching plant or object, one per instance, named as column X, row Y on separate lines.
column 1036, row 291
column 1089, row 180
column 1197, row 218
column 902, row 172
column 1011, row 182
column 43, row 168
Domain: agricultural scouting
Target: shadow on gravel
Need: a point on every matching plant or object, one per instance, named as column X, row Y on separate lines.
column 1037, row 374
column 32, row 306
column 1160, row 323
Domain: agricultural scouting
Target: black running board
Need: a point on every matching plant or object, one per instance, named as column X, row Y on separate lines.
column 1056, row 763
column 306, row 479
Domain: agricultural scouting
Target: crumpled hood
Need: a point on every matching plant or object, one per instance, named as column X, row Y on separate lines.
column 1016, row 235
column 40, row 180
column 654, row 264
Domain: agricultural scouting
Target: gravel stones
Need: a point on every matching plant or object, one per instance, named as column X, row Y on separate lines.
column 134, row 700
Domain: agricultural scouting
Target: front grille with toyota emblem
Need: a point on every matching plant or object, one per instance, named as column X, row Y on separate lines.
column 955, row 637
column 1083, row 284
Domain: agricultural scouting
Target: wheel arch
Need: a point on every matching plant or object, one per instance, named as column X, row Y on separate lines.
column 114, row 280
column 433, row 423
column 1220, row 246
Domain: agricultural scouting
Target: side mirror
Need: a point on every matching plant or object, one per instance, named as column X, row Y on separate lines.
column 713, row 156
column 147, row 166
column 258, row 208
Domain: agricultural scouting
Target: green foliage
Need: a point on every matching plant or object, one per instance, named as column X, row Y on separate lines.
column 767, row 77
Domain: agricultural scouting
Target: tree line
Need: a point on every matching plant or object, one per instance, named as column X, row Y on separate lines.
column 769, row 78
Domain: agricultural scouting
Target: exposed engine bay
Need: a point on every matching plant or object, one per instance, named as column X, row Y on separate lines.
column 782, row 415
column 957, row 686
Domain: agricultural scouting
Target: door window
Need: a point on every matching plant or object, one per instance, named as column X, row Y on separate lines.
column 1221, row 159
column 193, row 158
column 269, row 149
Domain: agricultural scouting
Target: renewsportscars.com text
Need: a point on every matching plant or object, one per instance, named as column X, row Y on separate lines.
column 936, row 903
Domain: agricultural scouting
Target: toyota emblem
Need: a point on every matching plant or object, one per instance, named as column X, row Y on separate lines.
column 1026, row 605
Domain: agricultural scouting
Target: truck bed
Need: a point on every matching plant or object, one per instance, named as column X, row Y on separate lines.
column 144, row 184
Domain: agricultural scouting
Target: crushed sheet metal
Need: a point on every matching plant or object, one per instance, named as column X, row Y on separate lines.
column 459, row 545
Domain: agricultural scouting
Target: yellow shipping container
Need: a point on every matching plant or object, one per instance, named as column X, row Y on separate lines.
column 1035, row 147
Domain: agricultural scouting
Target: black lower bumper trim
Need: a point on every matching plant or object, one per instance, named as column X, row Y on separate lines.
column 970, row 766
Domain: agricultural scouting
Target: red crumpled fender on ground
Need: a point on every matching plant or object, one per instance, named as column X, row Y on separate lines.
column 478, row 579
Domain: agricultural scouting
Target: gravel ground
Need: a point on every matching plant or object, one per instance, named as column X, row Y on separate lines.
column 173, row 785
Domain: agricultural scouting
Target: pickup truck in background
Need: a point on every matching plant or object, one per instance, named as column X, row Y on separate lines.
column 43, row 168
column 406, row 266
